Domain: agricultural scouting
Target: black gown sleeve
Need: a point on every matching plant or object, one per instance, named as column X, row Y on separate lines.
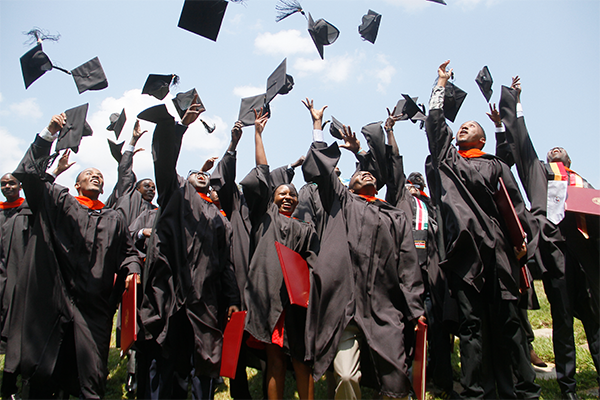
column 258, row 191
column 166, row 145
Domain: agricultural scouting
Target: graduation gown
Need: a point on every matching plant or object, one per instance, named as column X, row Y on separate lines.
column 189, row 254
column 367, row 271
column 72, row 258
column 15, row 228
column 265, row 292
column 236, row 209
column 477, row 247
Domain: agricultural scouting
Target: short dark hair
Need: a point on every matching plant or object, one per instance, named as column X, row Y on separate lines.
column 138, row 184
column 290, row 186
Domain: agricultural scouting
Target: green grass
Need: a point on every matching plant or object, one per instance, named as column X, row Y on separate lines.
column 586, row 373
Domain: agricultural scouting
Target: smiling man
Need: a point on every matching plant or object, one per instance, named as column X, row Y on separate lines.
column 481, row 264
column 76, row 248
column 369, row 278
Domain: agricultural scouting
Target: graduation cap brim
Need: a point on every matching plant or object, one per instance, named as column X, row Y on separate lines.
column 369, row 27
column 34, row 64
column 335, row 129
column 322, row 33
column 184, row 100
column 157, row 85
column 279, row 82
column 438, row 1
column 74, row 129
column 247, row 107
column 116, row 150
column 484, row 81
column 156, row 114
column 453, row 100
column 90, row 76
column 117, row 125
column 203, row 17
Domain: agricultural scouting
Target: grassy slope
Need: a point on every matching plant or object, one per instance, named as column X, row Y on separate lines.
column 586, row 373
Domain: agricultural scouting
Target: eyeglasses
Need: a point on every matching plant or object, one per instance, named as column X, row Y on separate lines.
column 194, row 172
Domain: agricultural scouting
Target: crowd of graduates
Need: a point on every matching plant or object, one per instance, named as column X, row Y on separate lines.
column 209, row 248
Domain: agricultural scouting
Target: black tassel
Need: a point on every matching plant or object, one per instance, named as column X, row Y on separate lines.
column 209, row 129
column 285, row 8
column 37, row 35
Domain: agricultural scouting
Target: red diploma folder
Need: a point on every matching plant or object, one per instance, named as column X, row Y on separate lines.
column 515, row 229
column 420, row 362
column 295, row 274
column 582, row 200
column 232, row 342
column 129, row 316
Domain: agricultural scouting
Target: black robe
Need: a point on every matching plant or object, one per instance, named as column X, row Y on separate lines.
column 235, row 208
column 72, row 258
column 477, row 248
column 265, row 292
column 185, row 263
column 516, row 146
column 367, row 271
column 15, row 228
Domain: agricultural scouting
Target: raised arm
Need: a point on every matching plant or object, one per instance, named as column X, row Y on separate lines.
column 260, row 122
column 439, row 134
column 223, row 177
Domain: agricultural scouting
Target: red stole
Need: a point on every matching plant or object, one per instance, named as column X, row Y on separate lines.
column 208, row 199
column 471, row 153
column 89, row 203
column 4, row 205
column 370, row 198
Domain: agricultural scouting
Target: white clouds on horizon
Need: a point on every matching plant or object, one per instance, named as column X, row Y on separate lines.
column 385, row 74
column 283, row 43
column 247, row 91
column 27, row 108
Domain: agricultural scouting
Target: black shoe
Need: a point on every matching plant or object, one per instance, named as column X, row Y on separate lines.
column 570, row 396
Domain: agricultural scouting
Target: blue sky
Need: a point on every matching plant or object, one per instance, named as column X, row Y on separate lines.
column 554, row 45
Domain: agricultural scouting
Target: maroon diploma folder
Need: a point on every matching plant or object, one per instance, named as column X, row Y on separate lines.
column 129, row 316
column 232, row 342
column 295, row 275
column 582, row 200
column 420, row 362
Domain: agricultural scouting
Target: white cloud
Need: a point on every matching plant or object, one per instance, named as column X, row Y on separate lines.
column 411, row 5
column 340, row 68
column 307, row 66
column 28, row 108
column 333, row 69
column 10, row 159
column 284, row 43
column 1, row 98
column 247, row 91
column 202, row 144
column 385, row 74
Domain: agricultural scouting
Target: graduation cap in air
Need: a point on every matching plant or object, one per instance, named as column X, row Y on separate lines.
column 90, row 76
column 117, row 121
column 203, row 17
column 74, row 129
column 438, row 1
column 155, row 114
column 158, row 85
column 336, row 128
column 36, row 63
column 115, row 149
column 453, row 99
column 184, row 100
column 279, row 82
column 322, row 33
column 410, row 109
column 370, row 26
column 484, row 81
column 249, row 104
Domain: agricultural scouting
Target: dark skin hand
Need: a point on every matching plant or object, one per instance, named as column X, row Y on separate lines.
column 63, row 163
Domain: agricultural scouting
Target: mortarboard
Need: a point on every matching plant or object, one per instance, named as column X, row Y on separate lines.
column 322, row 33
column 76, row 127
column 158, row 85
column 279, row 82
column 453, row 99
column 203, row 17
column 90, row 76
column 184, row 100
column 484, row 81
column 370, row 26
column 117, row 121
column 247, row 107
column 34, row 64
column 115, row 149
column 155, row 114
column 438, row 1
column 336, row 128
